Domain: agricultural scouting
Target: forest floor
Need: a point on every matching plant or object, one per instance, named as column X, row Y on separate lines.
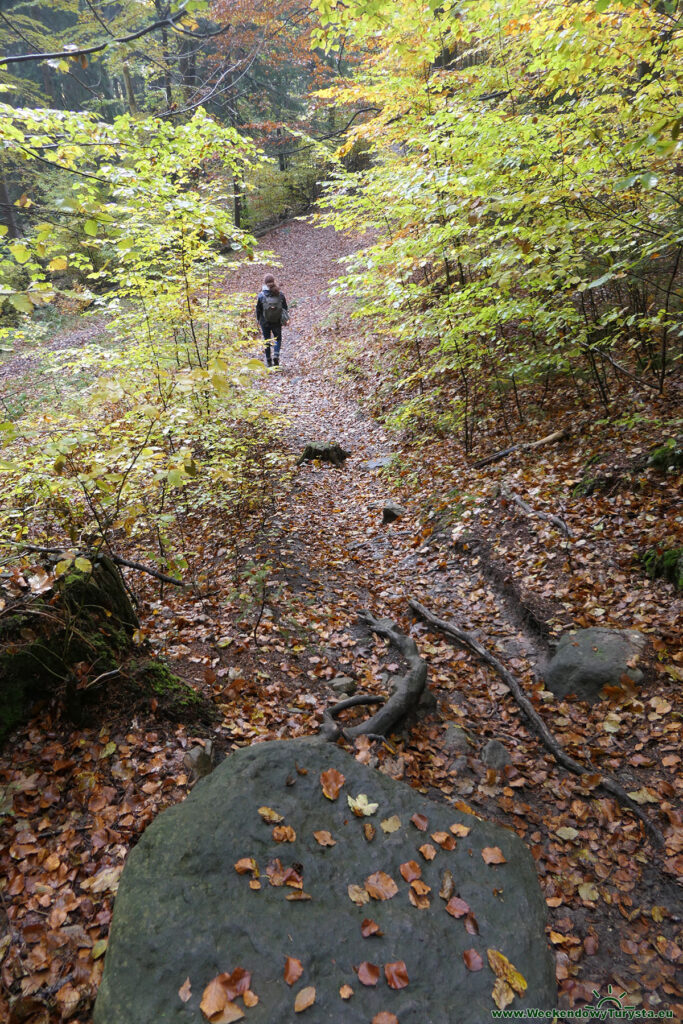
column 264, row 644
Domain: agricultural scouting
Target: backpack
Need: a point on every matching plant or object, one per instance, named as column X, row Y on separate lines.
column 272, row 308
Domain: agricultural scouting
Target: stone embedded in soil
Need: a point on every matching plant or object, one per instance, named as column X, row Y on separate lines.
column 391, row 512
column 343, row 685
column 183, row 911
column 495, row 755
column 590, row 659
column 455, row 740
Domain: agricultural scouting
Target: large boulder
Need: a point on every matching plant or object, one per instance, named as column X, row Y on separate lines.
column 184, row 912
column 587, row 661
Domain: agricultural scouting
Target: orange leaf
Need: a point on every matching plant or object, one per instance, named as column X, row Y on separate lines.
column 410, row 870
column 445, row 841
column 185, row 990
column 246, row 866
column 428, row 851
column 369, row 927
column 228, row 1015
column 250, row 998
column 237, row 983
column 284, row 834
column 214, row 998
column 473, row 962
column 304, row 999
column 420, row 822
column 381, row 886
column 493, row 855
column 346, row 991
column 358, row 895
column 293, row 970
column 396, row 974
column 368, row 974
column 324, row 838
column 457, row 907
column 332, row 781
column 385, row 1018
column 460, row 830
column 369, row 831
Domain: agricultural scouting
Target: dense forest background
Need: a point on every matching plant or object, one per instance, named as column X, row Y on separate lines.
column 477, row 214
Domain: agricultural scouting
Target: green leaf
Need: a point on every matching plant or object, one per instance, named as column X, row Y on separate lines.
column 20, row 252
column 3, row 230
column 58, row 263
column 83, row 564
column 90, row 227
column 21, row 302
column 109, row 749
column 63, row 566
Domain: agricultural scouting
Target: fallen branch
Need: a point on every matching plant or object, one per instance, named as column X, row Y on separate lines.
column 555, row 521
column 535, row 720
column 406, row 695
column 117, row 560
column 558, row 435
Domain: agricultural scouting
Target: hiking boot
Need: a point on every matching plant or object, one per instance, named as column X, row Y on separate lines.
column 276, row 361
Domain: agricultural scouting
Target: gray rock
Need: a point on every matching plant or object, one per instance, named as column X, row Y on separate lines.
column 183, row 911
column 586, row 661
column 199, row 760
column 377, row 463
column 455, row 740
column 391, row 512
column 495, row 755
column 344, row 685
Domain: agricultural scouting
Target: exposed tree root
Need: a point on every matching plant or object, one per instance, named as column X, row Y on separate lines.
column 465, row 639
column 555, row 521
column 114, row 558
column 407, row 691
column 557, row 435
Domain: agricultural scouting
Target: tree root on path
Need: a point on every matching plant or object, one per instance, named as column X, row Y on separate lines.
column 555, row 521
column 405, row 697
column 540, row 728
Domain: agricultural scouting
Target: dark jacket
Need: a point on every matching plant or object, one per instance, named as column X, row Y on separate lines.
column 259, row 303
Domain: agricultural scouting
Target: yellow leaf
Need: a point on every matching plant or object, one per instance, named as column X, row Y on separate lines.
column 391, row 824
column 58, row 263
column 270, row 816
column 505, row 971
column 502, row 994
column 304, row 999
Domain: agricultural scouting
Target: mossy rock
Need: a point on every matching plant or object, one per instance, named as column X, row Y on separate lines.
column 665, row 563
column 669, row 456
column 87, row 618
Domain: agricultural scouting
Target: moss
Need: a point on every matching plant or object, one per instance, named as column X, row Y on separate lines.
column 665, row 563
column 668, row 456
column 157, row 678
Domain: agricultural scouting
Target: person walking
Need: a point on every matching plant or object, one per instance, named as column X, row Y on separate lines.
column 271, row 313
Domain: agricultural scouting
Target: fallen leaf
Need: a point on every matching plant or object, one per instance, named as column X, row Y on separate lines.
column 214, row 998
column 284, row 834
column 358, row 895
column 346, row 991
column 567, row 832
column 457, row 907
column 460, row 830
column 107, row 879
column 391, row 824
column 381, row 886
column 420, row 822
column 447, row 885
column 410, row 870
column 493, row 855
column 428, row 851
column 360, row 805
column 368, row 831
column 230, row 1013
column 506, row 971
column 385, row 1018
column 270, row 816
column 246, row 866
column 473, row 962
column 444, row 839
column 293, row 970
column 589, row 892
column 331, row 781
column 368, row 974
column 502, row 994
column 396, row 974
column 250, row 998
column 644, row 796
column 369, row 927
column 185, row 990
column 324, row 838
column 292, row 897
column 304, row 999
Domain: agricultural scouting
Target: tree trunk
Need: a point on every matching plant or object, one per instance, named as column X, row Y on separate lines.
column 130, row 92
column 7, row 209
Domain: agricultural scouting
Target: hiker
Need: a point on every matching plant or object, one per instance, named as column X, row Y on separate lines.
column 271, row 313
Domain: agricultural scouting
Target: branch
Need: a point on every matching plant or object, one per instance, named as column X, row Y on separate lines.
column 538, row 725
column 170, row 20
column 528, row 510
column 557, row 435
column 115, row 558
